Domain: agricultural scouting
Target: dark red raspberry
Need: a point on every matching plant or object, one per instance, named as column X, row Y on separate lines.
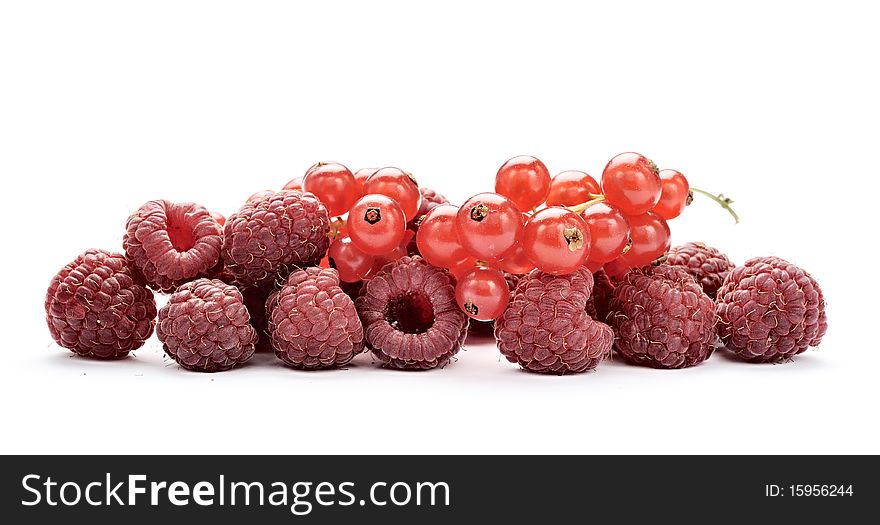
column 546, row 327
column 96, row 308
column 274, row 234
column 706, row 264
column 313, row 323
column 206, row 327
column 770, row 310
column 411, row 320
column 171, row 243
column 603, row 289
column 255, row 302
column 662, row 318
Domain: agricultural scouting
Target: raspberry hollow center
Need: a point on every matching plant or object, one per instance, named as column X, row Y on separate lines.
column 180, row 232
column 411, row 313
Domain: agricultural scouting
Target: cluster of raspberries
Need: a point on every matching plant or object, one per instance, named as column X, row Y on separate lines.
column 248, row 283
column 254, row 282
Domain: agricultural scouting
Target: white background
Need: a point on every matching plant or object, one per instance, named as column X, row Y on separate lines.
column 105, row 105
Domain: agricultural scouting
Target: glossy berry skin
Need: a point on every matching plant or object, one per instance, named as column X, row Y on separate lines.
column 609, row 231
column 650, row 237
column 260, row 195
column 295, row 183
column 462, row 268
column 674, row 196
column 360, row 177
column 219, row 217
column 556, row 240
column 351, row 263
column 517, row 262
column 482, row 293
column 399, row 186
column 376, row 224
column 489, row 226
column 632, row 183
column 437, row 238
column 524, row 180
column 334, row 185
column 570, row 188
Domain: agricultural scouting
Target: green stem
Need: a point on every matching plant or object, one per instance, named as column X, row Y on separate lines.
column 723, row 201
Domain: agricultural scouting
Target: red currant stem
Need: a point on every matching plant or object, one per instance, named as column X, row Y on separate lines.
column 594, row 199
column 335, row 227
column 723, row 201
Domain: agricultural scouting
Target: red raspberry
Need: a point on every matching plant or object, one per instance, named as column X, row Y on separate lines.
column 662, row 318
column 706, row 264
column 546, row 327
column 171, row 243
column 273, row 234
column 603, row 290
column 96, row 308
column 411, row 320
column 770, row 310
column 312, row 322
column 255, row 301
column 205, row 326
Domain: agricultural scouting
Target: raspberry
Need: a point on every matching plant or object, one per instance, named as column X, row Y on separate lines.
column 603, row 290
column 706, row 264
column 313, row 323
column 411, row 320
column 96, row 308
column 205, row 326
column 662, row 318
column 546, row 327
column 273, row 234
column 770, row 310
column 171, row 243
column 255, row 301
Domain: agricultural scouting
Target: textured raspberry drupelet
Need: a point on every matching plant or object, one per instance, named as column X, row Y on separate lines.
column 171, row 243
column 313, row 323
column 411, row 320
column 603, row 290
column 662, row 318
column 255, row 301
column 205, row 326
column 547, row 329
column 96, row 308
column 770, row 310
column 274, row 234
column 706, row 264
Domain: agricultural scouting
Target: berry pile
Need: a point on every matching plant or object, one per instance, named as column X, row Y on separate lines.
column 339, row 262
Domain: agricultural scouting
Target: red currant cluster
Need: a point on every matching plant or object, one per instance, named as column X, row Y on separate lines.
column 556, row 225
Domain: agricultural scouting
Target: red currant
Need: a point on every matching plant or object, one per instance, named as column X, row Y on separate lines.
column 376, row 224
column 616, row 269
column 295, row 183
column 333, row 184
column 517, row 262
column 631, row 182
column 260, row 195
column 221, row 220
column 399, row 186
column 570, row 188
column 360, row 177
column 650, row 238
column 482, row 293
column 609, row 231
column 351, row 263
column 557, row 240
column 489, row 226
column 674, row 196
column 524, row 180
column 437, row 239
column 460, row 269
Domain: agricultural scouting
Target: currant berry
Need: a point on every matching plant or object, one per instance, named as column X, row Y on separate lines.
column 674, row 195
column 632, row 183
column 517, row 262
column 437, row 239
column 609, row 231
column 570, row 188
column 360, row 177
column 221, row 220
column 376, row 224
column 351, row 263
column 524, row 180
column 399, row 186
column 556, row 240
column 260, row 195
column 482, row 293
column 650, row 238
column 462, row 268
column 295, row 183
column 333, row 184
column 489, row 226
